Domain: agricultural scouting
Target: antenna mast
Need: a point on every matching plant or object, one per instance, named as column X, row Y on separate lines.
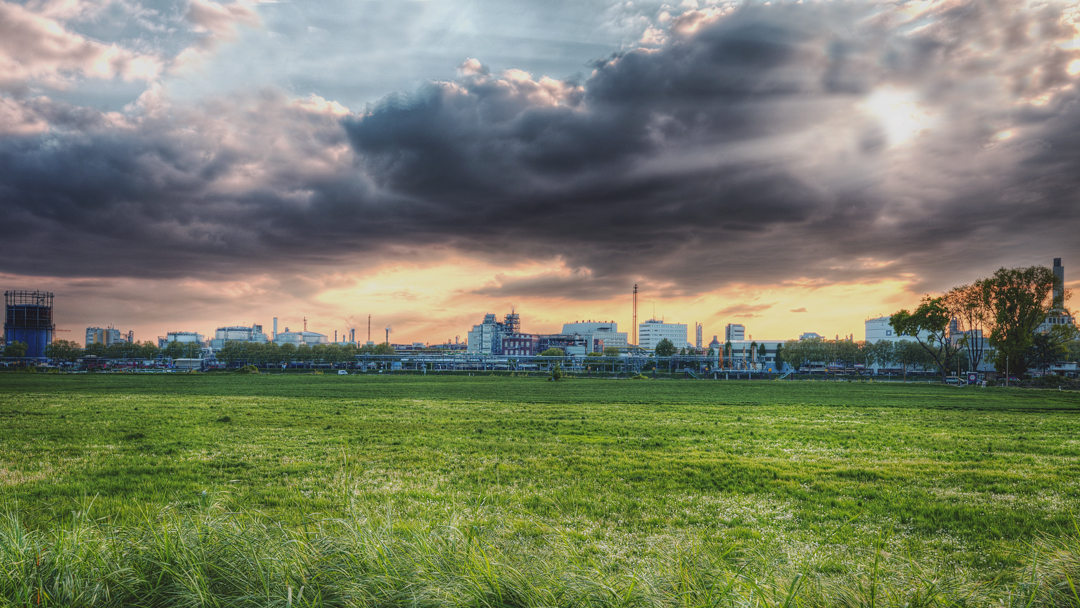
column 634, row 324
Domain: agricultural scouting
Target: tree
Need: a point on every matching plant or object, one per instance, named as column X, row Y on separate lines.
column 971, row 313
column 779, row 357
column 16, row 349
column 1073, row 351
column 1045, row 351
column 1019, row 300
column 929, row 326
column 63, row 350
column 383, row 349
column 907, row 353
column 611, row 351
column 665, row 348
column 172, row 350
column 794, row 354
column 553, row 352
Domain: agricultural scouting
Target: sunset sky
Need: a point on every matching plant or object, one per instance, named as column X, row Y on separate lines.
column 792, row 166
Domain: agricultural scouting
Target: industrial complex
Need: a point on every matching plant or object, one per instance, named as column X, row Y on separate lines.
column 29, row 320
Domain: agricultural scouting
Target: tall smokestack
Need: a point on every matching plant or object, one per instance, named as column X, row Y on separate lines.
column 274, row 337
column 1059, row 285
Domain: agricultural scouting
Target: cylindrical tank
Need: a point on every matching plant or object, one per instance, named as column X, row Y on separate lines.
column 28, row 318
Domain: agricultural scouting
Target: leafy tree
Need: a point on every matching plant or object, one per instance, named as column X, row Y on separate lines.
column 611, row 351
column 63, row 350
column 383, row 349
column 16, row 349
column 553, row 352
column 1073, row 351
column 556, row 371
column 1045, row 351
column 929, row 326
column 907, row 354
column 971, row 313
column 779, row 357
column 286, row 353
column 847, row 352
column 665, row 348
column 1019, row 300
column 794, row 353
column 172, row 350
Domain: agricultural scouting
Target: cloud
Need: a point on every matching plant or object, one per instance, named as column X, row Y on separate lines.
column 747, row 147
column 743, row 310
column 35, row 47
column 800, row 309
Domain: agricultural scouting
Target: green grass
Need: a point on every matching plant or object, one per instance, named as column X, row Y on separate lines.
column 821, row 493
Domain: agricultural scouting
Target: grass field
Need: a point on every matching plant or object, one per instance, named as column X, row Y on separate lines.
column 513, row 491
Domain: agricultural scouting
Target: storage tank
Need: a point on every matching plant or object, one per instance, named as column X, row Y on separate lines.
column 28, row 318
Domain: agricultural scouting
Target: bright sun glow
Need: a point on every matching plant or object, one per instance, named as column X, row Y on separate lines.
column 900, row 114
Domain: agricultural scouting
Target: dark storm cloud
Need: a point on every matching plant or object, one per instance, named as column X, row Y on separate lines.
column 744, row 151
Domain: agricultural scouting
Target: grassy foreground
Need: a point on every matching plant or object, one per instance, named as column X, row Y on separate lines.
column 325, row 490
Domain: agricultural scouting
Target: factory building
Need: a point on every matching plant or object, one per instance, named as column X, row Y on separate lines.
column 297, row 338
column 599, row 334
column 108, row 336
column 487, row 338
column 181, row 336
column 651, row 332
column 879, row 329
column 493, row 337
column 734, row 331
column 1059, row 315
column 237, row 333
column 28, row 318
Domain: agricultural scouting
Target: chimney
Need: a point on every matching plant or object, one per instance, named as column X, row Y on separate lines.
column 274, row 337
column 1059, row 285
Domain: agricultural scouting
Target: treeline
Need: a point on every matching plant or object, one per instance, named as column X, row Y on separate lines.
column 271, row 353
column 813, row 352
column 256, row 353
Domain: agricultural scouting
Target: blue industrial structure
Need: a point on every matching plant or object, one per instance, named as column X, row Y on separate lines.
column 29, row 319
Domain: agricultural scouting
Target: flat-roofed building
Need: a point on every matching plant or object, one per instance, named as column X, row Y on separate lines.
column 734, row 331
column 651, row 332
column 597, row 334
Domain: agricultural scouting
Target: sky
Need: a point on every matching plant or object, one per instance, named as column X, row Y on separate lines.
column 791, row 166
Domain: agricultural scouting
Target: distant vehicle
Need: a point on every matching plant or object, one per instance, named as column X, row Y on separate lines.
column 342, row 372
column 952, row 380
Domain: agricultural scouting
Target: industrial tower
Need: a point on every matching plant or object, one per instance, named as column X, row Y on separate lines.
column 634, row 324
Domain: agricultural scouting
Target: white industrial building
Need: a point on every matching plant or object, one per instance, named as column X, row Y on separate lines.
column 595, row 332
column 879, row 329
column 485, row 338
column 296, row 338
column 651, row 332
column 734, row 331
column 182, row 337
column 237, row 334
